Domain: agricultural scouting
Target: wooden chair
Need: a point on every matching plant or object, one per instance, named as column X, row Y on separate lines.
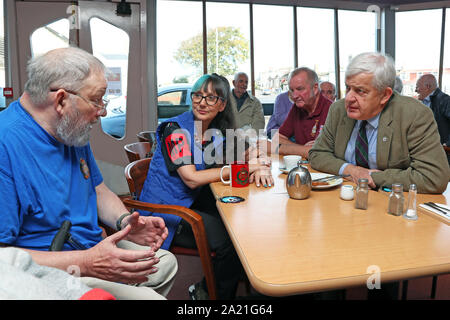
column 136, row 173
column 138, row 150
column 147, row 136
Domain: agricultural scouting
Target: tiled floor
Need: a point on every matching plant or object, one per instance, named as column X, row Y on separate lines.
column 190, row 271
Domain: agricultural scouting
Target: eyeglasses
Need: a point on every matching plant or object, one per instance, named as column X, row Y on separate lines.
column 210, row 100
column 101, row 103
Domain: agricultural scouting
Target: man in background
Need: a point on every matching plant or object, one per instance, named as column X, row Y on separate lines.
column 328, row 90
column 306, row 117
column 247, row 109
column 439, row 103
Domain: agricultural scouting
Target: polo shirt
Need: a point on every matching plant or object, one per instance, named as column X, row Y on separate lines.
column 305, row 127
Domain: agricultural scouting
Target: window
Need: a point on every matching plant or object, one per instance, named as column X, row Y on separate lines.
column 172, row 98
column 228, row 39
column 180, row 48
column 417, row 45
column 446, row 68
column 274, row 49
column 111, row 45
column 52, row 36
column 316, row 41
column 356, row 35
column 2, row 58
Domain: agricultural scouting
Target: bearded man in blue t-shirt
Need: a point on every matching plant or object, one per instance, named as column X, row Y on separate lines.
column 48, row 175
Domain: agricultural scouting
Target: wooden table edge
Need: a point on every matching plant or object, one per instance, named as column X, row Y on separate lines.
column 279, row 290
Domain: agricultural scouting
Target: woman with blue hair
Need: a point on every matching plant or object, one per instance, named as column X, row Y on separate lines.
column 190, row 149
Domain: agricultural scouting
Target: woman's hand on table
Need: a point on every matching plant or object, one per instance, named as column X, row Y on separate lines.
column 260, row 170
column 262, row 176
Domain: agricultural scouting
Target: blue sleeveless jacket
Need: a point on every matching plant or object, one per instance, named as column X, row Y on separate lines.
column 164, row 187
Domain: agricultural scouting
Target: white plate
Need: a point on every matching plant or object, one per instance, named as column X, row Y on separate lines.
column 331, row 183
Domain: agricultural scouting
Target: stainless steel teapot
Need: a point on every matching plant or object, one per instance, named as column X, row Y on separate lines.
column 298, row 182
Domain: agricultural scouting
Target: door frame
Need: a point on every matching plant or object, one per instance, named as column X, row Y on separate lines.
column 143, row 115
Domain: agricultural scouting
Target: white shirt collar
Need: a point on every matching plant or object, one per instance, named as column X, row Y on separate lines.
column 427, row 100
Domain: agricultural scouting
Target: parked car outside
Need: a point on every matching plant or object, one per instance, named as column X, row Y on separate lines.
column 172, row 101
column 2, row 100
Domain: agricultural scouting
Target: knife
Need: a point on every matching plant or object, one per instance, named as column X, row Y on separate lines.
column 330, row 177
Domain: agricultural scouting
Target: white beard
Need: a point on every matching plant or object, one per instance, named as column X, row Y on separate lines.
column 72, row 131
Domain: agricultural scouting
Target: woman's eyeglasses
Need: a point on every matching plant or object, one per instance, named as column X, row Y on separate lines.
column 210, row 100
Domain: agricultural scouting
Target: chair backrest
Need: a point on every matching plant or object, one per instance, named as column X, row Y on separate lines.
column 447, row 149
column 138, row 150
column 147, row 136
column 136, row 173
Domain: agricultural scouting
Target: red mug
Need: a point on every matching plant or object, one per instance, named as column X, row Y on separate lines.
column 238, row 174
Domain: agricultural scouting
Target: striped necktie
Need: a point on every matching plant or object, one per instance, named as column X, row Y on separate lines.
column 362, row 147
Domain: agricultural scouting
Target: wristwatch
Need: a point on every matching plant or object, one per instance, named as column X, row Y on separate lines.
column 119, row 221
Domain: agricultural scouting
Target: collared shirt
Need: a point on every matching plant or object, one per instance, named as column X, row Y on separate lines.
column 305, row 127
column 372, row 133
column 427, row 100
column 240, row 101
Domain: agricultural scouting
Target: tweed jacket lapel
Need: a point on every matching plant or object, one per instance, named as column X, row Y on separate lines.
column 343, row 135
column 384, row 137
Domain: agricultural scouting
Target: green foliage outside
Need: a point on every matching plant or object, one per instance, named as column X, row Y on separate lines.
column 226, row 49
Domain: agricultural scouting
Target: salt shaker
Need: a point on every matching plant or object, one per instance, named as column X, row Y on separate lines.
column 362, row 194
column 347, row 192
column 411, row 210
column 396, row 200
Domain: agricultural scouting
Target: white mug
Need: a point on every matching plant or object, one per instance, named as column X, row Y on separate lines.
column 291, row 161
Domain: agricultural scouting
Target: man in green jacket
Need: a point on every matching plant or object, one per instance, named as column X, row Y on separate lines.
column 377, row 134
column 247, row 109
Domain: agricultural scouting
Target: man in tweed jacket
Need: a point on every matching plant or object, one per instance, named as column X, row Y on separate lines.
column 403, row 139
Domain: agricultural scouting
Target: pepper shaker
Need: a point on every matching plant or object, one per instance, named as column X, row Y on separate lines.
column 362, row 194
column 396, row 200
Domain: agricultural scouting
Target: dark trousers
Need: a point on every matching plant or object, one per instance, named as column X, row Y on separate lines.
column 227, row 267
column 388, row 291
